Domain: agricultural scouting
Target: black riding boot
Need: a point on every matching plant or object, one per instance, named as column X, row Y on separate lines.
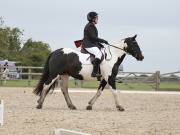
column 95, row 72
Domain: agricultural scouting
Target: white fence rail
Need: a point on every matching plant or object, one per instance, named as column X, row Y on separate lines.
column 153, row 78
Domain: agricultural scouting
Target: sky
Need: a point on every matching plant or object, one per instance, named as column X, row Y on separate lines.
column 59, row 23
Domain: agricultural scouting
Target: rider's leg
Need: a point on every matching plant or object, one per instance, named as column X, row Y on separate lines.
column 97, row 61
column 95, row 72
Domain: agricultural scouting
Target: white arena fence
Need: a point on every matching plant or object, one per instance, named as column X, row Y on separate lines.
column 152, row 78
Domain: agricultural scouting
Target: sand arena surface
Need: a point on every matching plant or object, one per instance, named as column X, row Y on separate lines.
column 145, row 114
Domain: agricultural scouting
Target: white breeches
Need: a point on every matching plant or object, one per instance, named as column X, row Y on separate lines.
column 96, row 51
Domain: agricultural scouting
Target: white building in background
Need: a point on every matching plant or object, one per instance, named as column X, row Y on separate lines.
column 11, row 66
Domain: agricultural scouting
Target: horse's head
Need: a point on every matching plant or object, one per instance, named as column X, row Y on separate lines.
column 133, row 48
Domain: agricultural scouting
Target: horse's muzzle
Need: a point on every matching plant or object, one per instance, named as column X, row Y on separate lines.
column 140, row 57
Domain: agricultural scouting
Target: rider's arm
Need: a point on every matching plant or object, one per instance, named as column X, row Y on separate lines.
column 92, row 35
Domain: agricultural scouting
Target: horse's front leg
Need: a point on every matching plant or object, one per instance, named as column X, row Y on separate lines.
column 64, row 89
column 98, row 93
column 112, row 84
column 44, row 93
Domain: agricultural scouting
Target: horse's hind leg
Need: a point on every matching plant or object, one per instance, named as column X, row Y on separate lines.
column 64, row 89
column 44, row 93
column 98, row 93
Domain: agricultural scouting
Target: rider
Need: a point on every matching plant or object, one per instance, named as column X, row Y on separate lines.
column 91, row 41
column 5, row 64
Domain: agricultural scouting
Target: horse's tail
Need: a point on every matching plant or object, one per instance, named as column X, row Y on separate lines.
column 43, row 79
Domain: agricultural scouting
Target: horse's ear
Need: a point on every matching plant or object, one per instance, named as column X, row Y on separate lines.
column 134, row 37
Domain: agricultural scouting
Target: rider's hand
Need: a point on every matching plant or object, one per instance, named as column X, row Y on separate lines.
column 106, row 42
column 100, row 45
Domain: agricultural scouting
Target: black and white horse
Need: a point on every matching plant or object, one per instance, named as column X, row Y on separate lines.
column 66, row 62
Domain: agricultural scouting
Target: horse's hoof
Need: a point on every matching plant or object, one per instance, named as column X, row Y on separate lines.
column 89, row 107
column 72, row 107
column 120, row 108
column 39, row 106
column 38, row 101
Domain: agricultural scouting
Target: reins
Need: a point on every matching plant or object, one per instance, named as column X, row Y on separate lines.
column 116, row 47
column 110, row 51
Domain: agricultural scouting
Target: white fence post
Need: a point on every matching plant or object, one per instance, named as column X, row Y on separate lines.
column 1, row 112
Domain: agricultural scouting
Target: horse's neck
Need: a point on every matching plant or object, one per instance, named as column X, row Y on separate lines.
column 116, row 53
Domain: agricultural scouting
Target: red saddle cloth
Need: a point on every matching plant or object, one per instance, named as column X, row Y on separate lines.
column 78, row 43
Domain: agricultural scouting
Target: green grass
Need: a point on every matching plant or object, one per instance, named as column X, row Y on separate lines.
column 19, row 83
column 135, row 86
column 170, row 86
column 95, row 84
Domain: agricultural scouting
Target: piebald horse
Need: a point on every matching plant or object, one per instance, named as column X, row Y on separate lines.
column 65, row 62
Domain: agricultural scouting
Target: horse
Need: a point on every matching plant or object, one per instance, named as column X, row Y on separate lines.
column 66, row 62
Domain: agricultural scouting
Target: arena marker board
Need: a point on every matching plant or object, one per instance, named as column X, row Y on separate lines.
column 62, row 131
column 1, row 112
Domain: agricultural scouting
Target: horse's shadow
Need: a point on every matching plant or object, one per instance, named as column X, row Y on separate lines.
column 107, row 109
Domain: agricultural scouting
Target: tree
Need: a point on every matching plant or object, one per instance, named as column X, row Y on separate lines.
column 3, row 43
column 1, row 21
column 10, row 41
column 34, row 53
column 14, row 43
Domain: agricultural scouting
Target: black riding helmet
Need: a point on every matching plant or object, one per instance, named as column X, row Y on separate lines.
column 91, row 16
